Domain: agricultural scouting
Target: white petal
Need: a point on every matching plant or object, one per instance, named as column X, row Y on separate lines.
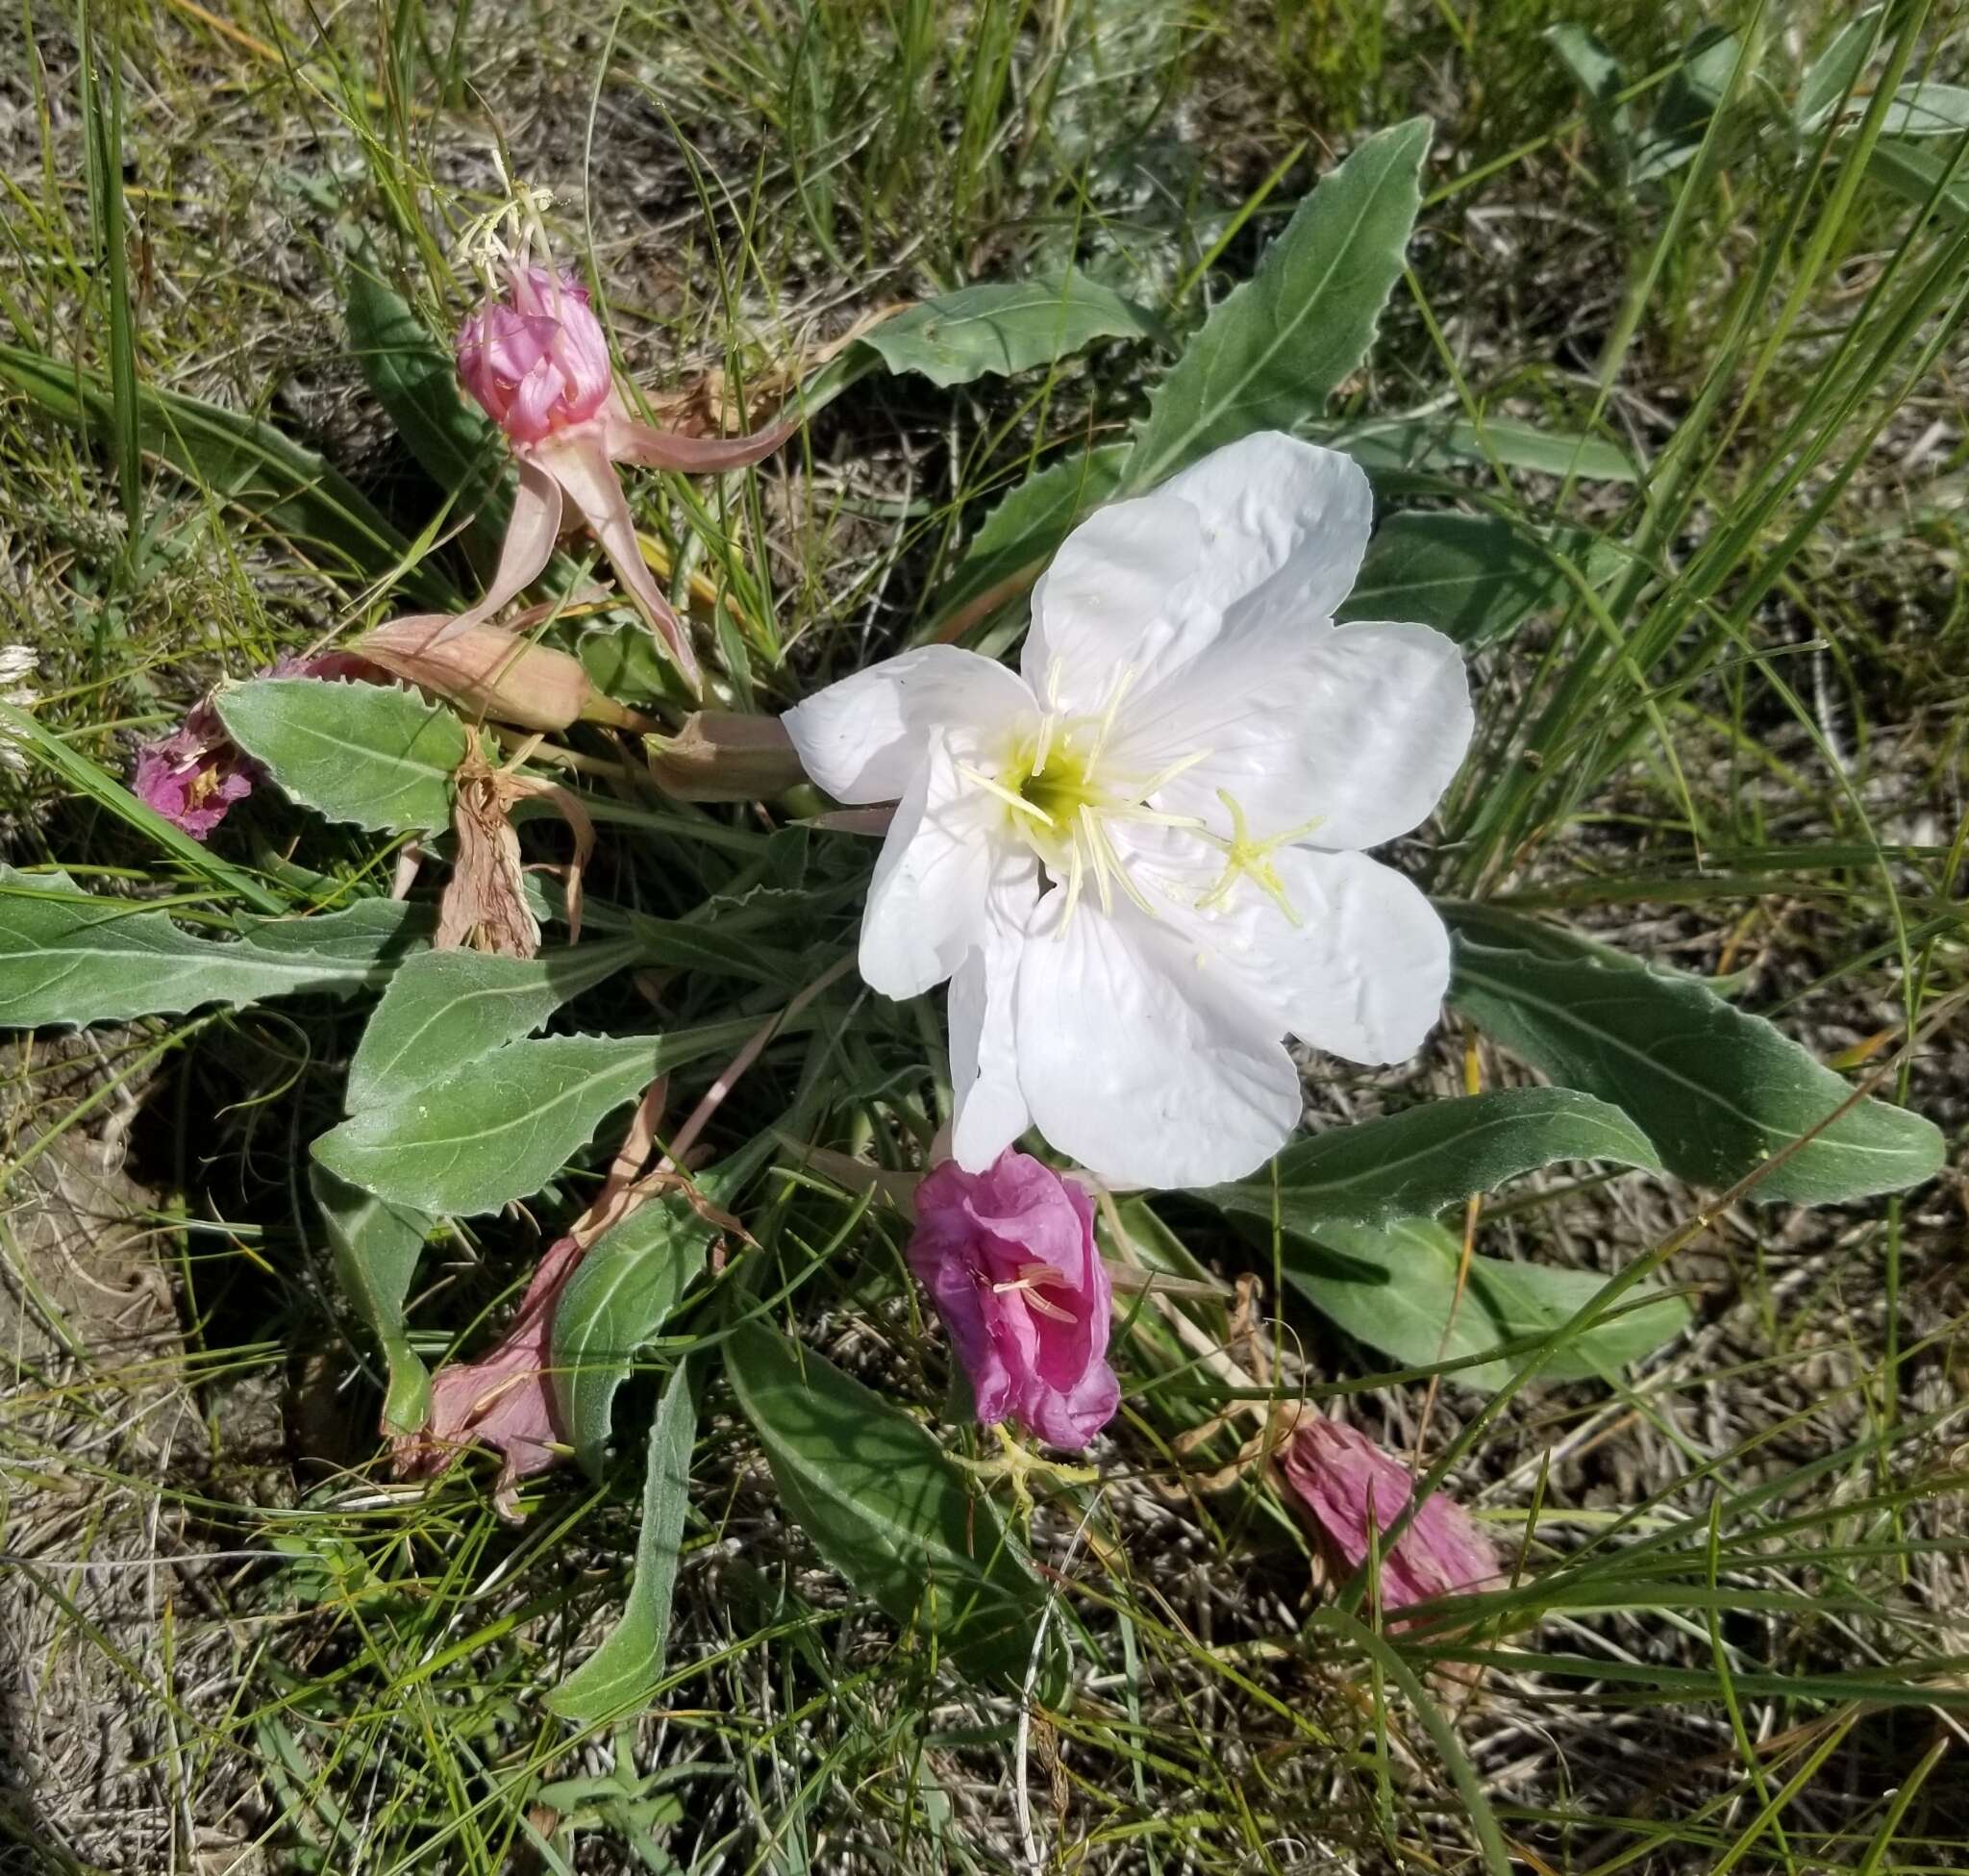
column 1364, row 973
column 927, row 900
column 1281, row 519
column 1360, row 726
column 861, row 739
column 990, row 1109
column 1111, row 600
column 1146, row 1069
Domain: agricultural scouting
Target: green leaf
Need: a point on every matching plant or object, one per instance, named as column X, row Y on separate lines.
column 1916, row 174
column 444, row 1009
column 500, row 1127
column 1394, row 1287
column 1718, row 1091
column 998, row 330
column 1411, row 442
column 1927, row 109
column 616, row 1304
column 1472, row 577
column 376, row 1251
column 1271, row 354
column 1025, row 530
column 1434, row 1156
column 1695, row 89
column 245, row 465
column 1836, row 72
column 885, row 1506
column 618, row 1678
column 69, row 957
column 373, row 754
column 1598, row 71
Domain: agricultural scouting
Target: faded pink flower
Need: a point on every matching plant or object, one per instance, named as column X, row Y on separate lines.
column 1343, row 1480
column 1008, row 1257
column 538, row 363
column 194, row 776
column 502, row 1400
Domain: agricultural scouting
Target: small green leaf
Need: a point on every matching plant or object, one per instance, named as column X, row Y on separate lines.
column 1927, row 109
column 1394, row 1287
column 998, row 330
column 1434, row 1156
column 1473, row 577
column 887, row 1507
column 1717, row 1090
column 1916, row 174
column 244, row 465
column 1413, row 442
column 69, row 957
column 1836, row 72
column 1598, row 75
column 615, row 1306
column 445, row 1008
column 1696, row 87
column 498, row 1128
column 376, row 1251
column 373, row 754
column 618, row 1678
column 1271, row 354
column 1025, row 530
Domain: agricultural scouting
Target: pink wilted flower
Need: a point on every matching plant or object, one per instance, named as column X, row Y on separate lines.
column 1344, row 1482
column 1008, row 1257
column 502, row 1400
column 536, row 360
column 194, row 776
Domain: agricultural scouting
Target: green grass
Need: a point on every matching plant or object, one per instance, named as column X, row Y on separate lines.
column 1735, row 1639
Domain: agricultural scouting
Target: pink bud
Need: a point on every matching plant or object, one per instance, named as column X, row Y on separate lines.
column 537, row 361
column 1344, row 1480
column 1008, row 1257
column 492, row 672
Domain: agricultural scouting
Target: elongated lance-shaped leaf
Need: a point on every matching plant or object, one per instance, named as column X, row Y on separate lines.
column 499, row 1127
column 445, row 1008
column 376, row 1251
column 885, row 1506
column 1026, row 527
column 1394, row 1287
column 71, row 957
column 245, row 465
column 373, row 754
column 1473, row 577
column 996, row 330
column 1271, row 354
column 616, row 1304
column 1434, row 1156
column 618, row 1678
column 1718, row 1091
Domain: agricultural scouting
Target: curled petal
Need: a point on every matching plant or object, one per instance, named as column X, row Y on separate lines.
column 631, row 440
column 579, row 462
column 528, row 547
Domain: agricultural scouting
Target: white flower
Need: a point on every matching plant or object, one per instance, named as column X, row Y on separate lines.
column 1139, row 862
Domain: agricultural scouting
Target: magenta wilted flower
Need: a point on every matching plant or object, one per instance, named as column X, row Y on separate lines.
column 194, row 776
column 1344, row 1481
column 1008, row 1257
column 538, row 363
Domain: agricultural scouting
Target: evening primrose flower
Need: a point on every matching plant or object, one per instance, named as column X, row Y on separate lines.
column 1008, row 1257
column 1139, row 860
column 536, row 360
